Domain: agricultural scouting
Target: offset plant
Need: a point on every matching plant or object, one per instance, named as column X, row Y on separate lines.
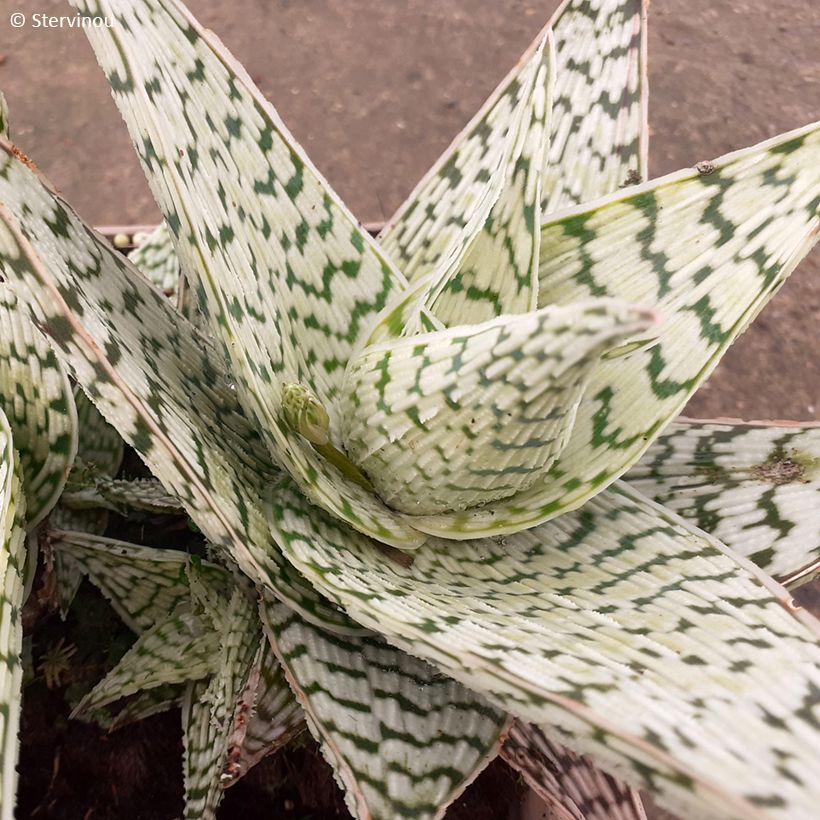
column 410, row 447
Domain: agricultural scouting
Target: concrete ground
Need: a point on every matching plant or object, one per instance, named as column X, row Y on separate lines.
column 375, row 90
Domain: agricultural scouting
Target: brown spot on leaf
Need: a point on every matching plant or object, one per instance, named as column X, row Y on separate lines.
column 779, row 471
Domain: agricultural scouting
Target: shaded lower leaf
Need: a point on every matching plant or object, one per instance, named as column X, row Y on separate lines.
column 266, row 718
column 175, row 650
column 403, row 740
column 208, row 707
column 144, row 585
column 571, row 785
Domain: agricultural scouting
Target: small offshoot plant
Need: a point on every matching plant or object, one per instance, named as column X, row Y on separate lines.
column 448, row 506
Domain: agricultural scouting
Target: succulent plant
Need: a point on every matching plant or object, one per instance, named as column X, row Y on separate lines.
column 410, row 448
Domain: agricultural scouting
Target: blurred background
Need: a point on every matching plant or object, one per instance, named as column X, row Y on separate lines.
column 375, row 91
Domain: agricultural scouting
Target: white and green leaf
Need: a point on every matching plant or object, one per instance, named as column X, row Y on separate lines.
column 208, row 707
column 464, row 416
column 403, row 740
column 12, row 568
column 154, row 377
column 180, row 648
column 267, row 716
column 707, row 249
column 36, row 397
column 289, row 281
column 143, row 584
column 755, row 486
column 156, row 258
column 651, row 647
column 598, row 137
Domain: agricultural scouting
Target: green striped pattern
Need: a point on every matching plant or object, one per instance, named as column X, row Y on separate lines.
column 754, row 486
column 145, row 495
column 498, row 271
column 571, row 785
column 177, row 649
column 266, row 718
column 99, row 445
column 143, row 584
column 12, row 567
column 36, row 397
column 403, row 740
column 461, row 417
column 599, row 140
column 156, row 258
column 151, row 702
column 208, row 708
column 486, row 256
column 643, row 640
column 156, row 378
column 289, row 281
column 707, row 251
column 597, row 132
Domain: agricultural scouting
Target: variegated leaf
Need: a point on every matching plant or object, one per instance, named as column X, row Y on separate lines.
column 599, row 140
column 99, row 450
column 672, row 662
column 145, row 704
column 99, row 445
column 286, row 276
column 208, row 709
column 12, row 567
column 755, row 486
column 36, row 397
column 498, row 272
column 403, row 740
column 155, row 378
column 144, row 585
column 180, row 648
column 267, row 717
column 146, row 495
column 156, row 258
column 487, row 256
column 707, row 248
column 571, row 785
column 464, row 416
column 598, row 136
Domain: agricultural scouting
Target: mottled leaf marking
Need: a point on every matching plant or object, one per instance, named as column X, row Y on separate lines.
column 12, row 568
column 755, row 486
column 289, row 281
column 460, row 417
column 707, row 252
column 597, row 132
column 645, row 641
column 403, row 740
column 36, row 397
column 154, row 377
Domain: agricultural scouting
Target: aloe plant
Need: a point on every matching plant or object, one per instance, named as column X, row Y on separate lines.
column 410, row 448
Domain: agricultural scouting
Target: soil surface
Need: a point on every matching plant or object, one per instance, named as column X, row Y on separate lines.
column 375, row 91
